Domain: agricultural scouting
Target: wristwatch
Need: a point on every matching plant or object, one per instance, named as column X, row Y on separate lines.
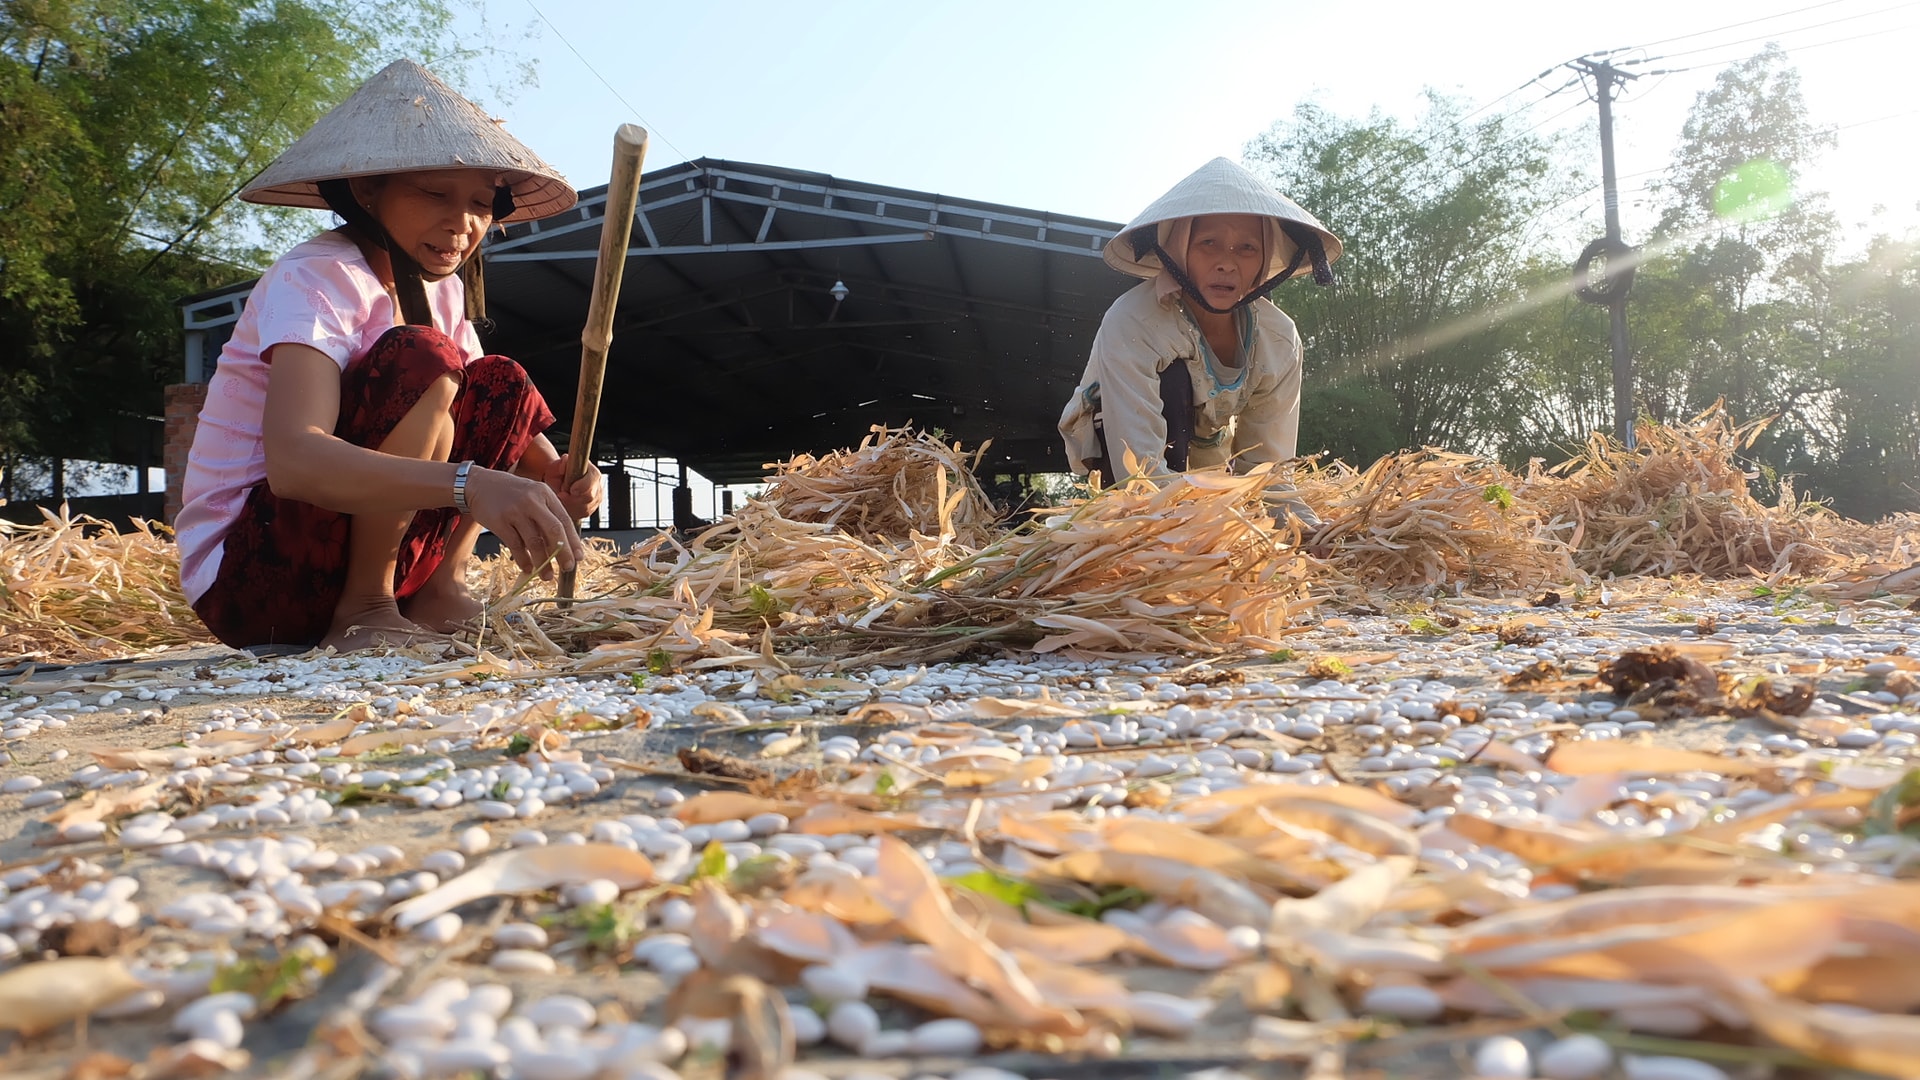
column 460, row 487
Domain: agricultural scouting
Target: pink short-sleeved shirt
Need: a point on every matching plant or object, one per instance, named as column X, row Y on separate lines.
column 322, row 294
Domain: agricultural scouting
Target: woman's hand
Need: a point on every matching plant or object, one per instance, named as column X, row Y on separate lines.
column 529, row 519
column 586, row 494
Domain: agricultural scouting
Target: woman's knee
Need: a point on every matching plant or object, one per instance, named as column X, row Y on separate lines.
column 417, row 357
column 496, row 376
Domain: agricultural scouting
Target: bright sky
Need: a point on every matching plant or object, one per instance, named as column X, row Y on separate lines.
column 1095, row 108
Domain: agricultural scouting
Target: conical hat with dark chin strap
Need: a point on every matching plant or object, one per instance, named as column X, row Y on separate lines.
column 406, row 120
column 1221, row 187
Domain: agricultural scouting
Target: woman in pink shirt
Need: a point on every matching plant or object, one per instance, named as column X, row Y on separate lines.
column 354, row 440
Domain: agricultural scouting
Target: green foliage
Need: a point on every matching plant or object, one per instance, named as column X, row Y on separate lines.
column 129, row 128
column 1107, row 899
column 1453, row 324
column 273, row 978
column 763, row 603
column 606, row 929
column 998, row 886
column 1891, row 807
column 1409, row 350
column 1737, row 308
column 1499, row 495
column 712, row 864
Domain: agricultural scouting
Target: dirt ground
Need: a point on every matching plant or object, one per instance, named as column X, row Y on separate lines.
column 1765, row 637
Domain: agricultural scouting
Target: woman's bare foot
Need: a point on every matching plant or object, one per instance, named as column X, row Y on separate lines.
column 442, row 605
column 371, row 624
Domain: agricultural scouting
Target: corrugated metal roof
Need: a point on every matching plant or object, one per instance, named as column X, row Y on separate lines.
column 730, row 350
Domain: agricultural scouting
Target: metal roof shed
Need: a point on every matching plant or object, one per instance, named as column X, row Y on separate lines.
column 768, row 311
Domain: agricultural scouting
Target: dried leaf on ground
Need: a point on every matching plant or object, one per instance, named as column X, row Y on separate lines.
column 762, row 1028
column 108, row 804
column 1885, row 1045
column 1658, row 669
column 1784, row 697
column 1589, row 756
column 903, row 882
column 703, row 762
column 41, row 996
column 526, row 870
column 711, row 806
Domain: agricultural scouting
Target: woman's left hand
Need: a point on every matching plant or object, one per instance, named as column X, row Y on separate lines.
column 586, row 494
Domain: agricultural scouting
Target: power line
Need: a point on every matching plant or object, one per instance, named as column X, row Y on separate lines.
column 1718, row 29
column 603, row 81
column 1776, row 34
column 1790, row 51
column 1529, row 224
column 1463, row 166
column 1404, row 162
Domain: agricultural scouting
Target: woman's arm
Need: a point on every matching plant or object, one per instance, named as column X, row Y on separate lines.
column 307, row 463
column 1135, row 342
column 543, row 463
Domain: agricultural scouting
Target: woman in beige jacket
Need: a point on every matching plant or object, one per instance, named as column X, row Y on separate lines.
column 1194, row 367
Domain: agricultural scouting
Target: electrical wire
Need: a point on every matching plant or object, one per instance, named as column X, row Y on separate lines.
column 1795, row 50
column 1718, row 29
column 1404, row 162
column 1529, row 225
column 1461, row 168
column 603, row 82
column 1775, row 35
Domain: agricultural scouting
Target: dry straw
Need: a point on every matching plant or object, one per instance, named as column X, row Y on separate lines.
column 888, row 553
column 75, row 588
column 1431, row 518
column 1680, row 504
column 1192, row 563
column 893, row 485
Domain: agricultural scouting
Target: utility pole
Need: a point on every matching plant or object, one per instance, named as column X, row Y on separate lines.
column 1614, row 295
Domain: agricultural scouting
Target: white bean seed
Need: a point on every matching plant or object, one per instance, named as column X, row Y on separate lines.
column 852, row 1023
column 520, row 935
column 946, row 1038
column 1417, row 1003
column 1502, row 1057
column 439, row 930
column 1576, row 1057
column 523, row 961
column 560, row 1010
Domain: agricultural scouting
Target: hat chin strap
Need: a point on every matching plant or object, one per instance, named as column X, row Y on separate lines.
column 1306, row 245
column 409, row 281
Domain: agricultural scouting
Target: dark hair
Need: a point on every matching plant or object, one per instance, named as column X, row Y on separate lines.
column 409, row 282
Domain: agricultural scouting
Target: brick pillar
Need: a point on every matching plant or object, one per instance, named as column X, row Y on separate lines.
column 183, row 416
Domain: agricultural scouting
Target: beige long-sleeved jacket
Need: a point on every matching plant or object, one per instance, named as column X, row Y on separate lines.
column 1247, row 414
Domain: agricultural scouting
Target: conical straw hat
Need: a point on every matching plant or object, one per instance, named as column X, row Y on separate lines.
column 1219, row 187
column 405, row 120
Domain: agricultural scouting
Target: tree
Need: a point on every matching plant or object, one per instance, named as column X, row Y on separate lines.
column 1740, row 292
column 1870, row 419
column 1412, row 347
column 127, row 129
